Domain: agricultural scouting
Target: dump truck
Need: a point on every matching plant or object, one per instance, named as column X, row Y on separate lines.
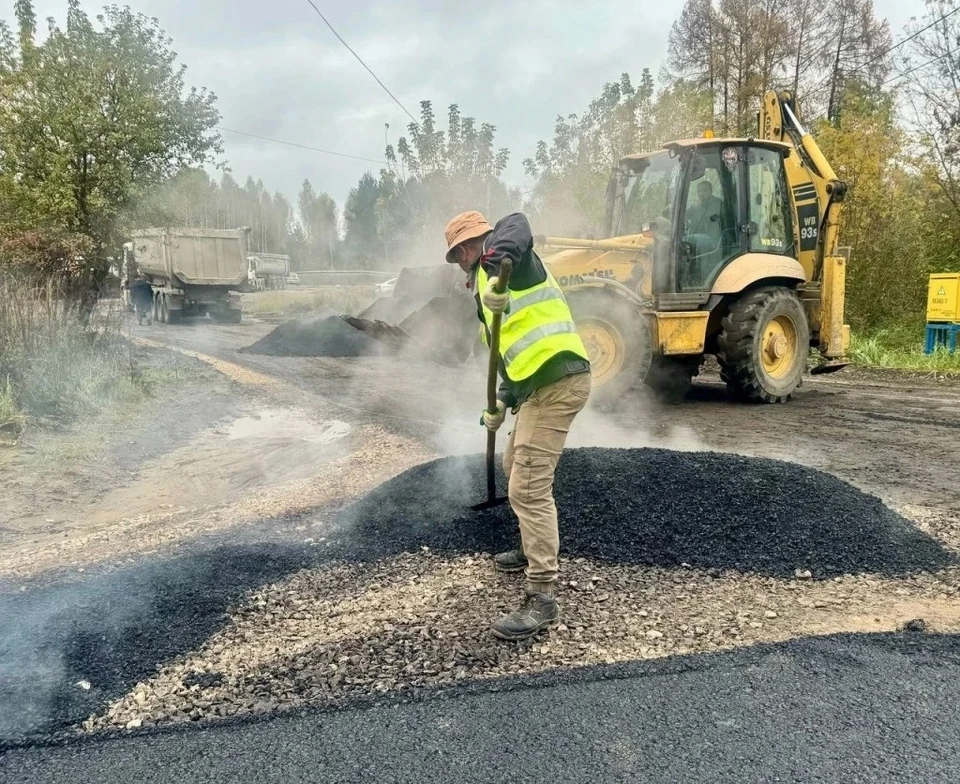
column 268, row 270
column 193, row 272
column 711, row 246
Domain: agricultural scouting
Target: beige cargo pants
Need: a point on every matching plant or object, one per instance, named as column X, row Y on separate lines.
column 529, row 462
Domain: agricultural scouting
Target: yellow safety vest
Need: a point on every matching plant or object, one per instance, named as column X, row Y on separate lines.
column 537, row 326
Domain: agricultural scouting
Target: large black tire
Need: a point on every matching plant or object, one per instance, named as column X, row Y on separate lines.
column 764, row 345
column 164, row 310
column 617, row 339
column 155, row 311
column 671, row 378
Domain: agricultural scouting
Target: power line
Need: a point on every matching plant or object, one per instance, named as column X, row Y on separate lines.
column 910, row 37
column 360, row 60
column 923, row 65
column 301, row 146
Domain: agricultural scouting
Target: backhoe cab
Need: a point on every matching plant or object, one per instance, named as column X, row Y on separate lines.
column 718, row 246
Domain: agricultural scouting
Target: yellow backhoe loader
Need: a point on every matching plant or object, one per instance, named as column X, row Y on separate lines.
column 716, row 246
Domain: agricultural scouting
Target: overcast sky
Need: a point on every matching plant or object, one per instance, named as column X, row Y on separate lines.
column 278, row 71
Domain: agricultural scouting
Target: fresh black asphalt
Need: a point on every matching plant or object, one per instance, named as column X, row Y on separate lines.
column 654, row 507
column 113, row 628
column 69, row 647
column 318, row 336
column 847, row 709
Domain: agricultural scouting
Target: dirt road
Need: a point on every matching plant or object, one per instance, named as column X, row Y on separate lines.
column 891, row 434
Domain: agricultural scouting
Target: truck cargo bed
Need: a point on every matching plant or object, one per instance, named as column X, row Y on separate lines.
column 195, row 257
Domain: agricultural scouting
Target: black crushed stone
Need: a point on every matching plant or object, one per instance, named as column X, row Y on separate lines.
column 205, row 680
column 653, row 507
column 317, row 336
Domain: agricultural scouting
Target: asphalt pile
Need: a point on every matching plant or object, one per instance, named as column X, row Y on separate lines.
column 654, row 507
column 317, row 336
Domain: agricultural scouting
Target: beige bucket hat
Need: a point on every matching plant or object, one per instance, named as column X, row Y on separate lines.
column 465, row 226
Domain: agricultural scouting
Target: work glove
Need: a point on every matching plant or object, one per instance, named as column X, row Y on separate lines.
column 493, row 421
column 497, row 303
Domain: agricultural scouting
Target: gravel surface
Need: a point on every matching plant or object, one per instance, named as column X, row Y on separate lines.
column 377, row 456
column 656, row 507
column 872, row 709
column 318, row 336
column 342, row 633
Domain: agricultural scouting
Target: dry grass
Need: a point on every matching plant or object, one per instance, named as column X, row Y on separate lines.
column 52, row 366
column 294, row 302
column 12, row 419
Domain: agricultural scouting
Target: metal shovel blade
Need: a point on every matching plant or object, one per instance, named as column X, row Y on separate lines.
column 401, row 340
column 388, row 333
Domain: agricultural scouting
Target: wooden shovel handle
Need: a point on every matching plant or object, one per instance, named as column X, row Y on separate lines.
column 506, row 267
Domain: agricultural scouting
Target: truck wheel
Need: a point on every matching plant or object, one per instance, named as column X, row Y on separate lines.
column 164, row 310
column 617, row 340
column 155, row 310
column 764, row 345
column 671, row 378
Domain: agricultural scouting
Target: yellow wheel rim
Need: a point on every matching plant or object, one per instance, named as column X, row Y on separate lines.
column 605, row 348
column 779, row 346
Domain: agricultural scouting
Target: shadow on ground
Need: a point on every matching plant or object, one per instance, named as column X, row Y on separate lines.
column 70, row 647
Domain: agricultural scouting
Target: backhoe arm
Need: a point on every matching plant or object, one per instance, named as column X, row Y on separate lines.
column 778, row 121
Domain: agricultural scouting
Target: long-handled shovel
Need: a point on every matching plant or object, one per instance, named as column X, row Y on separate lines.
column 492, row 500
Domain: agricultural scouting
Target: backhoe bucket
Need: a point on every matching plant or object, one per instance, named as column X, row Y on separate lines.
column 430, row 313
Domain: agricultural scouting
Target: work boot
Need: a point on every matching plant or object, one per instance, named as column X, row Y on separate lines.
column 510, row 561
column 539, row 611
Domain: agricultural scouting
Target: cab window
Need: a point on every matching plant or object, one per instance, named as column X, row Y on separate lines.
column 771, row 230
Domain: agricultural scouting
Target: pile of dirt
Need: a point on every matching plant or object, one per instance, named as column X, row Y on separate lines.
column 318, row 336
column 654, row 507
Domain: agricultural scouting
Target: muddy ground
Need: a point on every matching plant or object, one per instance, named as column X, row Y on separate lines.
column 244, row 453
